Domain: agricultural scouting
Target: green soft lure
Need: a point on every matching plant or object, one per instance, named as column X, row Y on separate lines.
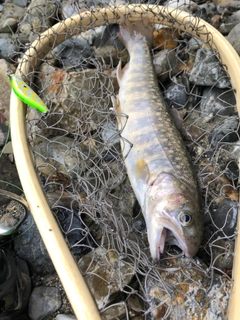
column 26, row 94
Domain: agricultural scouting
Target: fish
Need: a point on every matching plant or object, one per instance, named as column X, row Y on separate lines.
column 25, row 93
column 158, row 165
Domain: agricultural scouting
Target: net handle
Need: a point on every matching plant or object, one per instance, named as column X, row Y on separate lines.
column 71, row 278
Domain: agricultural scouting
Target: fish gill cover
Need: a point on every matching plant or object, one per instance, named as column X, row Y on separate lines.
column 80, row 152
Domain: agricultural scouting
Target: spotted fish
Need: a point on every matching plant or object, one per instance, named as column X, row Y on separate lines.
column 156, row 159
column 26, row 94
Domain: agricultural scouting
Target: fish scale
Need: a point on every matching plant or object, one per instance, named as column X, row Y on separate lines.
column 157, row 163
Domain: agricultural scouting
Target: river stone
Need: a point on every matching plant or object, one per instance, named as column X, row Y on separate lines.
column 76, row 53
column 65, row 317
column 43, row 302
column 39, row 17
column 105, row 274
column 234, row 39
column 7, row 47
column 11, row 14
column 223, row 253
column 166, row 64
column 30, row 247
column 183, row 292
column 217, row 101
column 79, row 102
column 226, row 130
column 207, row 70
column 63, row 154
column 224, row 216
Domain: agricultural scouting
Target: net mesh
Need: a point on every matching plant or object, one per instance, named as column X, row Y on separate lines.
column 76, row 147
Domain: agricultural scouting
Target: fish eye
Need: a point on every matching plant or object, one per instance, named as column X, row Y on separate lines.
column 185, row 218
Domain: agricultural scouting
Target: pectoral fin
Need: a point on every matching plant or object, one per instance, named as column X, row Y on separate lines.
column 142, row 172
column 120, row 73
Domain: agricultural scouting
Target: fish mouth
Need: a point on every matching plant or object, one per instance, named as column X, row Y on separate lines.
column 159, row 235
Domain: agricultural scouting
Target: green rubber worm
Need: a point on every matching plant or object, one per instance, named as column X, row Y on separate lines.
column 25, row 93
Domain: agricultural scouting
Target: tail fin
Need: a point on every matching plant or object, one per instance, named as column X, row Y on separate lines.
column 139, row 31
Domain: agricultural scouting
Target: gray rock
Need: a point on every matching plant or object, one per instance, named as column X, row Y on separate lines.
column 30, row 247
column 183, row 292
column 234, row 18
column 225, row 28
column 234, row 39
column 7, row 47
column 11, row 14
column 226, row 130
column 65, row 317
column 39, row 17
column 223, row 253
column 63, row 154
column 185, row 5
column 78, row 101
column 43, row 302
column 105, row 274
column 115, row 311
column 166, row 64
column 207, row 70
column 217, row 101
column 75, row 52
column 176, row 95
column 209, row 7
column 224, row 217
column 20, row 3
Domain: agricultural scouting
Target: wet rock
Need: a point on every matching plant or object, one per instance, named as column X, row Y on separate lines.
column 63, row 154
column 116, row 311
column 183, row 291
column 224, row 216
column 223, row 254
column 228, row 7
column 78, row 101
column 176, row 95
column 225, row 28
column 7, row 47
column 233, row 38
column 30, row 247
column 234, row 18
column 209, row 7
column 216, row 21
column 75, row 231
column 11, row 14
column 193, row 45
column 20, row 3
column 226, row 131
column 217, row 101
column 76, row 53
column 166, row 64
column 105, row 273
column 39, row 17
column 188, row 6
column 231, row 171
column 65, row 317
column 207, row 70
column 43, row 302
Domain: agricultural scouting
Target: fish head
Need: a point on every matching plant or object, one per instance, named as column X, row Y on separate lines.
column 172, row 213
